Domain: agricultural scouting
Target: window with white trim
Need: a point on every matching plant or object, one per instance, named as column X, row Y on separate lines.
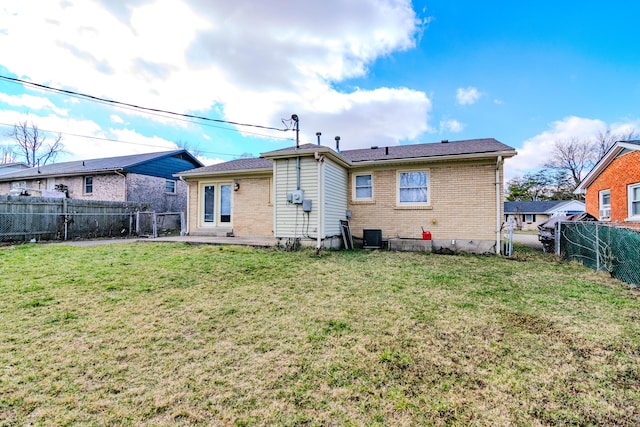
column 88, row 184
column 604, row 205
column 413, row 187
column 170, row 186
column 363, row 186
column 529, row 218
column 633, row 194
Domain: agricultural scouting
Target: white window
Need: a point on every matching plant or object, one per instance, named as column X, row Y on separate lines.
column 170, row 186
column 604, row 207
column 633, row 194
column 529, row 217
column 363, row 187
column 88, row 184
column 413, row 187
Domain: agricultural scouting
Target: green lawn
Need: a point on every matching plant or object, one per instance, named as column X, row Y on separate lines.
column 171, row 334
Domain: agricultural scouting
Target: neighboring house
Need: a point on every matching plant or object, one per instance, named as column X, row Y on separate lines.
column 143, row 178
column 452, row 189
column 12, row 167
column 612, row 187
column 528, row 215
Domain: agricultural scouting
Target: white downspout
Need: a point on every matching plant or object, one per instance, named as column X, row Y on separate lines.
column 498, row 207
column 320, row 229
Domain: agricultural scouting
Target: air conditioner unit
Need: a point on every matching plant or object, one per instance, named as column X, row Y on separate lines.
column 605, row 213
column 371, row 238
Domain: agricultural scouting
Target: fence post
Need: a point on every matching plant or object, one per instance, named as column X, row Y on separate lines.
column 130, row 223
column 155, row 225
column 138, row 223
column 597, row 248
column 558, row 233
column 65, row 218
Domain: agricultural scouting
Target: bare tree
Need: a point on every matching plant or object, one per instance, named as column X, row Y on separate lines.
column 7, row 154
column 32, row 144
column 573, row 156
column 605, row 140
column 190, row 147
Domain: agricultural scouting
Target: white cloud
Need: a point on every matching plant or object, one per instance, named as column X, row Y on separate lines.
column 467, row 96
column 451, row 125
column 116, row 119
column 536, row 151
column 256, row 62
column 31, row 102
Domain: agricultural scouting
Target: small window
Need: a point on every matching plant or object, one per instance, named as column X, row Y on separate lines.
column 604, row 209
column 170, row 186
column 633, row 192
column 88, row 184
column 529, row 218
column 363, row 187
column 413, row 188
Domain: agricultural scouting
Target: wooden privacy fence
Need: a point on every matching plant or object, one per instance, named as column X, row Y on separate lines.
column 42, row 218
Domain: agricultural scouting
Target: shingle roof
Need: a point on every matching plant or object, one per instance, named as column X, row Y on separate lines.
column 253, row 163
column 90, row 166
column 472, row 146
column 534, row 207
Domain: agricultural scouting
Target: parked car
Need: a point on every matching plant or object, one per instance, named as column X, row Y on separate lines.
column 546, row 233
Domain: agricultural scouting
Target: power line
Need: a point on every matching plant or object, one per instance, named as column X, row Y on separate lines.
column 156, row 110
column 123, row 142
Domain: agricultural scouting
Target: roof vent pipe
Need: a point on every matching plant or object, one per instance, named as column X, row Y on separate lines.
column 318, row 135
column 294, row 117
column 338, row 144
column 444, row 141
column 386, row 151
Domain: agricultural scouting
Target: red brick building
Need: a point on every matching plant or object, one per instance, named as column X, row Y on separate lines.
column 612, row 187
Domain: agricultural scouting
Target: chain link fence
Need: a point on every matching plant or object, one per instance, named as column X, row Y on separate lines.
column 153, row 224
column 602, row 247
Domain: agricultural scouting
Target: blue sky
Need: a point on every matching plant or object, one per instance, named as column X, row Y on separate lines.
column 382, row 72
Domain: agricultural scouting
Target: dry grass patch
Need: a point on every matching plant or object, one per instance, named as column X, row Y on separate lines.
column 157, row 334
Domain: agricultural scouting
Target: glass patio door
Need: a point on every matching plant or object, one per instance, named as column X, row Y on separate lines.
column 225, row 203
column 216, row 204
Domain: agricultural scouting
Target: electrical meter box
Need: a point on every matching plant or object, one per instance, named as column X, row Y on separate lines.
column 295, row 197
column 306, row 205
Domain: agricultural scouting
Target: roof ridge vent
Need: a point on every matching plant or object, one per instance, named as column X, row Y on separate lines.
column 444, row 141
column 374, row 147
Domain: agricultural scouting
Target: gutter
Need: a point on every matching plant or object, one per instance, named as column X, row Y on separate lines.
column 243, row 172
column 474, row 156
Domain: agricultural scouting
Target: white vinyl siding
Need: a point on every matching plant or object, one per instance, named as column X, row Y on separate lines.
column 335, row 197
column 288, row 217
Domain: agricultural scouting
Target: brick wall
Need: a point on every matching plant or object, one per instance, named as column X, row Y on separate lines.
column 463, row 204
column 251, row 211
column 621, row 172
column 252, row 207
column 143, row 189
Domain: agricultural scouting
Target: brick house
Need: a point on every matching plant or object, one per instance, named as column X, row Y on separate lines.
column 528, row 215
column 452, row 189
column 612, row 187
column 143, row 178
